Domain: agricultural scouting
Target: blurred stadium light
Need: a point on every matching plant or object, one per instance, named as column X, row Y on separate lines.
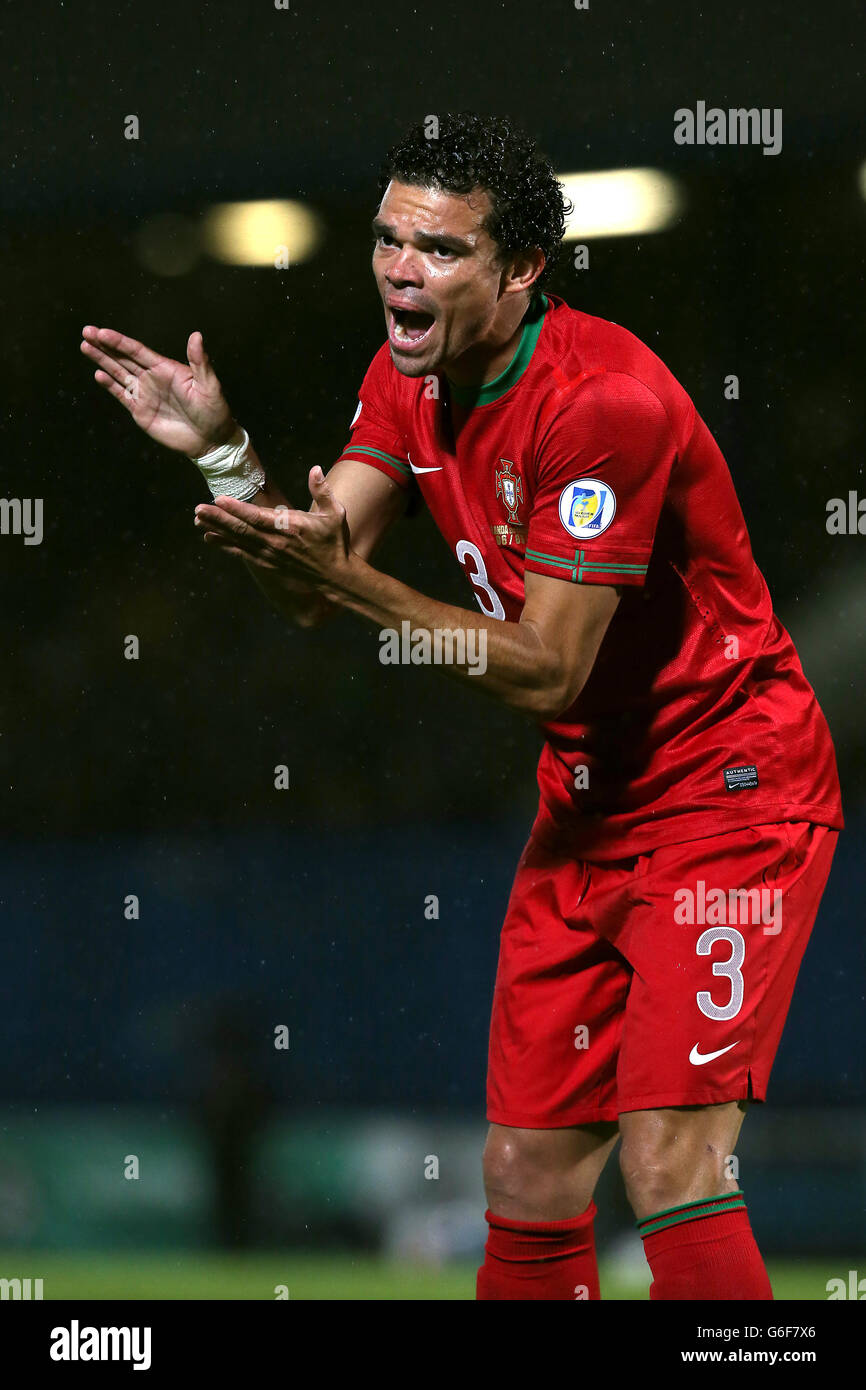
column 621, row 202
column 256, row 233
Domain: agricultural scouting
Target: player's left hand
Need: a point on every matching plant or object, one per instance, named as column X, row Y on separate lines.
column 311, row 545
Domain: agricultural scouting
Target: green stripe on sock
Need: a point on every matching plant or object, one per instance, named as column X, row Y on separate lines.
column 691, row 1211
column 698, row 1202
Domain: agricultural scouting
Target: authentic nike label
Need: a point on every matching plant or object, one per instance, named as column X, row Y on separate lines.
column 737, row 778
column 698, row 1059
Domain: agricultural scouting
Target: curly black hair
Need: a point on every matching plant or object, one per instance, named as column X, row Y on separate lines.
column 469, row 151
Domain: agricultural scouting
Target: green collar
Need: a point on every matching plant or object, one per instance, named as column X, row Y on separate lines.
column 470, row 396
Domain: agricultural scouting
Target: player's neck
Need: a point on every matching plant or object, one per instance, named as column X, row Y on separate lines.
column 486, row 361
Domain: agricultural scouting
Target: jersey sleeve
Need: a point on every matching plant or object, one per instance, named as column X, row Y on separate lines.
column 375, row 436
column 602, row 470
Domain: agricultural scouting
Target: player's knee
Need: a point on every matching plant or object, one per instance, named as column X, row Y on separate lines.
column 514, row 1170
column 650, row 1176
column 660, row 1171
column 504, row 1166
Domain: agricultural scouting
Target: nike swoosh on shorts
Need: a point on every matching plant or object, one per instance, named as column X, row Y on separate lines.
column 698, row 1059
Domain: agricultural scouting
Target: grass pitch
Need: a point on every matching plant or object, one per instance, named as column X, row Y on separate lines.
column 197, row 1275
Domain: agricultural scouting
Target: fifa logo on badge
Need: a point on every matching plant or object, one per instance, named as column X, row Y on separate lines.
column 586, row 508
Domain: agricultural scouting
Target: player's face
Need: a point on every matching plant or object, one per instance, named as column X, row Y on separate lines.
column 438, row 275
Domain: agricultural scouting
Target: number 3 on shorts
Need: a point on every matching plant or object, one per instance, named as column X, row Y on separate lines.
column 729, row 967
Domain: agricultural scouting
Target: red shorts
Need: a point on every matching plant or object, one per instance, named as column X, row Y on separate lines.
column 663, row 979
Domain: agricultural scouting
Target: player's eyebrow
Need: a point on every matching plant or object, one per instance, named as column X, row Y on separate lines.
column 454, row 243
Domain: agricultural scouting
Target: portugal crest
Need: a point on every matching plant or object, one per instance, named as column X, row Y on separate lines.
column 510, row 488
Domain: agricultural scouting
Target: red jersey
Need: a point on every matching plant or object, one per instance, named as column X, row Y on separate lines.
column 586, row 460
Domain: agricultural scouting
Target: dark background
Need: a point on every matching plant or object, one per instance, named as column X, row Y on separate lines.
column 155, row 776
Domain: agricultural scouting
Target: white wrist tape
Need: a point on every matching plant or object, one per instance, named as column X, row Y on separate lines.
column 232, row 469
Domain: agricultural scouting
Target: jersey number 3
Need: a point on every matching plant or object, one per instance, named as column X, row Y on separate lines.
column 478, row 578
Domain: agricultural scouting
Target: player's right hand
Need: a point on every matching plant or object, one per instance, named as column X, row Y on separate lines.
column 180, row 406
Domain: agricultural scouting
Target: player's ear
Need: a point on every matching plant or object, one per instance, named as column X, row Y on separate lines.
column 522, row 270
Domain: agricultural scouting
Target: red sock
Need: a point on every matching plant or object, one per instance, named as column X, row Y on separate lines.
column 539, row 1259
column 705, row 1250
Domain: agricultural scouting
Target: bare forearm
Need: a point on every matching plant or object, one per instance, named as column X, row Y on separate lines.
column 518, row 668
column 538, row 665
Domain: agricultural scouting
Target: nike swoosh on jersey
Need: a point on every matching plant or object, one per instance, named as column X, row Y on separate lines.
column 423, row 470
column 698, row 1059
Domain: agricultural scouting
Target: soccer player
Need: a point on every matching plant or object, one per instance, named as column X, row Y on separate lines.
column 689, row 800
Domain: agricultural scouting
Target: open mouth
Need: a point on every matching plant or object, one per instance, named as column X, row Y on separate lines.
column 408, row 328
